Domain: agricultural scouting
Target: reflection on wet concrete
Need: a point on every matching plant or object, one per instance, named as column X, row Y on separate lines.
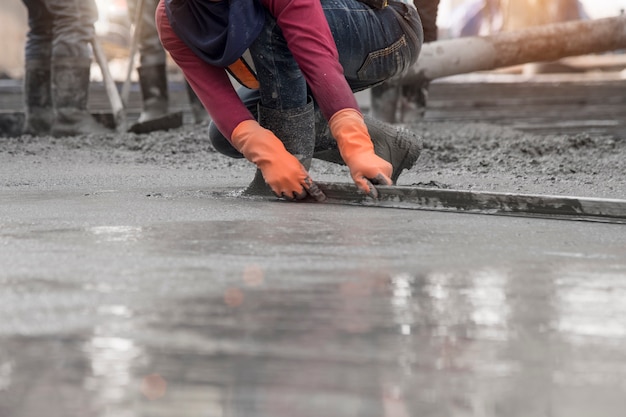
column 299, row 311
column 116, row 233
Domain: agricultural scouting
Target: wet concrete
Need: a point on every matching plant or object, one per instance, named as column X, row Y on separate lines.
column 188, row 301
column 135, row 281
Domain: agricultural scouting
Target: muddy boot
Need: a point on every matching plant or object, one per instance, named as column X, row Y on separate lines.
column 398, row 146
column 39, row 114
column 153, row 83
column 70, row 93
column 199, row 113
column 296, row 129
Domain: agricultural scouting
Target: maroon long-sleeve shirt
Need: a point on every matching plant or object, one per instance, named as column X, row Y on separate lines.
column 310, row 41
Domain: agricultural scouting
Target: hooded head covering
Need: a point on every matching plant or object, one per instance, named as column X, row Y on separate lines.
column 217, row 31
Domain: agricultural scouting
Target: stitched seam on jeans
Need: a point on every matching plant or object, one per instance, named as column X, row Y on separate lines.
column 400, row 43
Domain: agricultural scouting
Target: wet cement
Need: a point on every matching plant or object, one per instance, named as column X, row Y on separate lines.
column 136, row 281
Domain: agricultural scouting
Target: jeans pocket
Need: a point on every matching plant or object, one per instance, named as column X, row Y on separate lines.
column 386, row 62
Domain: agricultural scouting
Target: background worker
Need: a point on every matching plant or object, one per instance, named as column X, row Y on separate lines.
column 407, row 103
column 152, row 69
column 57, row 67
column 300, row 48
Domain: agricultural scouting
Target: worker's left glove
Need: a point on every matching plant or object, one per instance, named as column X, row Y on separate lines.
column 357, row 151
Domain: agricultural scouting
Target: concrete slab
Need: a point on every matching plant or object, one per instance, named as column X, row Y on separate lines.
column 136, row 281
column 126, row 294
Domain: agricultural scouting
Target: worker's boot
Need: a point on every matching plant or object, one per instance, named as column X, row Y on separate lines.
column 198, row 111
column 70, row 94
column 39, row 113
column 296, row 129
column 398, row 146
column 154, row 92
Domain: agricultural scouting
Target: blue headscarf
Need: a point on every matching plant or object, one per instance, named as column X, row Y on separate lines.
column 217, row 31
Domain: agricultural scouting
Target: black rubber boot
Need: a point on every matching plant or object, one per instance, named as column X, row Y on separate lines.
column 296, row 129
column 154, row 92
column 70, row 93
column 39, row 113
column 398, row 146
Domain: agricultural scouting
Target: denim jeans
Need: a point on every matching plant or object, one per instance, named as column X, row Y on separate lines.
column 387, row 42
column 59, row 28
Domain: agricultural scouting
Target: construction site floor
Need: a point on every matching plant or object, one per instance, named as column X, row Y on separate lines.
column 136, row 280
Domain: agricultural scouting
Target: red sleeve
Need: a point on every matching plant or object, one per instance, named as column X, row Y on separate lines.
column 311, row 42
column 210, row 83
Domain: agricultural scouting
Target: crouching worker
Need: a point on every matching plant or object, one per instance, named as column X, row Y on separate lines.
column 309, row 56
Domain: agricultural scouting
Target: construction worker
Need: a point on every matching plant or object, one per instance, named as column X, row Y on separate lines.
column 309, row 57
column 57, row 67
column 407, row 103
column 152, row 69
column 486, row 17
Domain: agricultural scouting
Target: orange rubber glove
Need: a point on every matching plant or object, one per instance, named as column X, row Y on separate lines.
column 357, row 151
column 282, row 171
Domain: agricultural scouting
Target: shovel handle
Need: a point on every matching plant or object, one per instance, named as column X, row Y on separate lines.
column 114, row 97
column 134, row 46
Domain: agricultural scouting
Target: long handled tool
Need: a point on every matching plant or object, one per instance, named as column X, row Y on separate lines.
column 165, row 122
column 115, row 100
column 459, row 201
column 134, row 47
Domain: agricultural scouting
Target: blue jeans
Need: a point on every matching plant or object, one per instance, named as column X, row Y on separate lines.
column 363, row 37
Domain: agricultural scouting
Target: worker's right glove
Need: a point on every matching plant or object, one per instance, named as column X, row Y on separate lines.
column 355, row 145
column 282, row 171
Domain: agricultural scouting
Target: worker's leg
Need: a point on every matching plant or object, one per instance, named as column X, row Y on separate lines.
column 37, row 70
column 407, row 103
column 373, row 44
column 71, row 62
column 152, row 62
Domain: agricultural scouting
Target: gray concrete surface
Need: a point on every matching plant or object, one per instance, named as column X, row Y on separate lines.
column 136, row 281
column 250, row 308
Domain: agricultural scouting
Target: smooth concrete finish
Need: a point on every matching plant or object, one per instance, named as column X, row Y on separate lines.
column 136, row 282
column 161, row 300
